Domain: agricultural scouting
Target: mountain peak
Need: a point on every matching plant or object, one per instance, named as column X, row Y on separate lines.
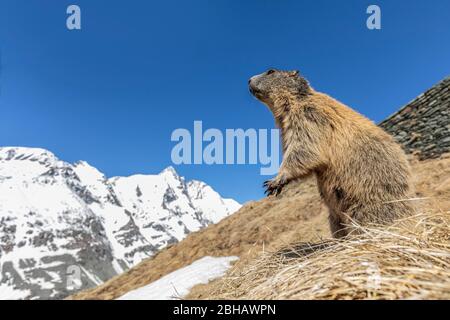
column 170, row 170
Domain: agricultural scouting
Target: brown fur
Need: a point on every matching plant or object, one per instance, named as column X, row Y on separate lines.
column 362, row 174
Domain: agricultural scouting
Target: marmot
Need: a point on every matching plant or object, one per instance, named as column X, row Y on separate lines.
column 362, row 173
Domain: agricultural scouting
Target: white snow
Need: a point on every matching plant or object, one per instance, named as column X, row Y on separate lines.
column 178, row 283
column 7, row 292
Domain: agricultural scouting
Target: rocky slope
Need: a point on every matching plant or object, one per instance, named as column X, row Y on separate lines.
column 66, row 227
column 423, row 125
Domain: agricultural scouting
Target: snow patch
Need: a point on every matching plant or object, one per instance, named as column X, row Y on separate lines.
column 9, row 293
column 178, row 283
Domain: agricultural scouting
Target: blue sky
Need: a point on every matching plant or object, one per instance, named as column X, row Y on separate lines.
column 112, row 93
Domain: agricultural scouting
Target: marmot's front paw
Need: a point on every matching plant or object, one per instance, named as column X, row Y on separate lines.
column 274, row 187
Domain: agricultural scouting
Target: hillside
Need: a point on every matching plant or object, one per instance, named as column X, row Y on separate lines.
column 298, row 215
column 245, row 233
column 265, row 225
column 409, row 260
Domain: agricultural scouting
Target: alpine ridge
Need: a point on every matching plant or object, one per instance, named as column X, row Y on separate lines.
column 66, row 227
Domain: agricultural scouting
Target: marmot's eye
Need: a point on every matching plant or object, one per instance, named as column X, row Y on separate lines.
column 270, row 71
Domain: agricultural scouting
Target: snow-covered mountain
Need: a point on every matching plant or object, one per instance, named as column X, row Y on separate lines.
column 66, row 227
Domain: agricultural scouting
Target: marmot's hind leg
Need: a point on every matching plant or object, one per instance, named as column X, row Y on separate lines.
column 338, row 229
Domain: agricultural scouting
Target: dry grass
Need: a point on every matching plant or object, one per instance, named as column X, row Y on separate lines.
column 410, row 260
column 274, row 223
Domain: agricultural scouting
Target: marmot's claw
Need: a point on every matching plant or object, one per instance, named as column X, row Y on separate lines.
column 268, row 186
column 272, row 188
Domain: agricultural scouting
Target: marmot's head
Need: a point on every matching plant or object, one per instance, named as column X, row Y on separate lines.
column 275, row 84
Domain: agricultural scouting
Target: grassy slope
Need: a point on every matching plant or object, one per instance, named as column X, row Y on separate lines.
column 407, row 260
column 268, row 224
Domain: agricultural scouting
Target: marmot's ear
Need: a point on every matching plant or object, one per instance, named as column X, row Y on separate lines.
column 294, row 73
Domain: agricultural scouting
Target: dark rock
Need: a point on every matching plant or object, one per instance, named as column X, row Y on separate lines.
column 423, row 126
